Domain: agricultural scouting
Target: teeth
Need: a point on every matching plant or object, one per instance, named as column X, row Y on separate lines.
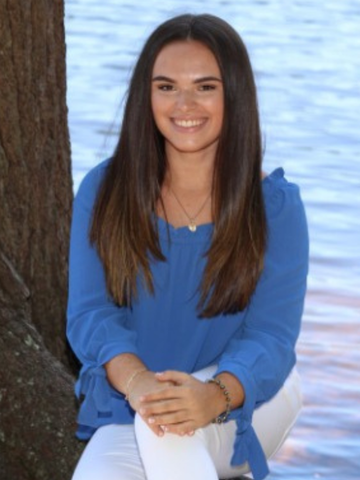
column 188, row 123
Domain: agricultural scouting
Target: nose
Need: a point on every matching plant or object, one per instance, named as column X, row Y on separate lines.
column 185, row 100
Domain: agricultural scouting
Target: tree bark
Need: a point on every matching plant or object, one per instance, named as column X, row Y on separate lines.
column 35, row 171
column 37, row 406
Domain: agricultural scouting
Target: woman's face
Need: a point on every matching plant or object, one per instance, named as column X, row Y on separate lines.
column 187, row 97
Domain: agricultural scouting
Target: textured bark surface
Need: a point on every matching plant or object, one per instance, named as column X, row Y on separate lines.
column 37, row 406
column 35, row 177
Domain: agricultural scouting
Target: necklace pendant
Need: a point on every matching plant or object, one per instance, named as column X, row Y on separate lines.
column 192, row 226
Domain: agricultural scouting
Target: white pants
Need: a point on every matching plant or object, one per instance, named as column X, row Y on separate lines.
column 134, row 452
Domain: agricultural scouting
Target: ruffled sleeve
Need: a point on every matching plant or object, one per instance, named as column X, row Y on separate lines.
column 96, row 328
column 263, row 353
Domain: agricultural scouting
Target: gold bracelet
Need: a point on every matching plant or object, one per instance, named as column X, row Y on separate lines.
column 131, row 379
column 223, row 416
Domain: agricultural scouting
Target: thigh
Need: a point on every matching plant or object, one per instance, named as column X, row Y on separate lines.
column 111, row 454
column 219, row 441
column 274, row 419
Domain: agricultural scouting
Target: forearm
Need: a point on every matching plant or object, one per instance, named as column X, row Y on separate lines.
column 121, row 369
column 218, row 396
column 234, row 387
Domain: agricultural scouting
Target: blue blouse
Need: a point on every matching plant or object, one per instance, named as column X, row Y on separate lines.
column 256, row 345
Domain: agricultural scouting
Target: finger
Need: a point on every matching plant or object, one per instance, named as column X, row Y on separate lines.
column 168, row 418
column 159, row 430
column 159, row 408
column 161, row 395
column 184, row 428
column 172, row 376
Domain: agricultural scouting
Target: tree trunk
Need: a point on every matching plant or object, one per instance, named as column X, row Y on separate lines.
column 35, row 175
column 37, row 407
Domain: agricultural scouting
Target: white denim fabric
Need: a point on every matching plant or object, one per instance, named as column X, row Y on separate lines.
column 134, row 452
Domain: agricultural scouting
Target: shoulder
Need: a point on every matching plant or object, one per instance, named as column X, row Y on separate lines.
column 281, row 197
column 90, row 184
column 285, row 213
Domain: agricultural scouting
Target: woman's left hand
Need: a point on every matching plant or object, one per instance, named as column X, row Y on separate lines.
column 183, row 407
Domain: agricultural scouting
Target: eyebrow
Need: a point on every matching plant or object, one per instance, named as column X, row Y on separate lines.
column 162, row 78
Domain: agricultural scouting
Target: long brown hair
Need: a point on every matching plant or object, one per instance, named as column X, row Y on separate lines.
column 123, row 228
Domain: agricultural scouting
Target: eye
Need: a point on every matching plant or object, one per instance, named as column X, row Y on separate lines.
column 165, row 87
column 206, row 87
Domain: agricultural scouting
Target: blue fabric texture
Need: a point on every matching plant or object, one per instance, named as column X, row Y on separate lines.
column 164, row 330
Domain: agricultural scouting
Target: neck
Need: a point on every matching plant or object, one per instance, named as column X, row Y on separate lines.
column 189, row 172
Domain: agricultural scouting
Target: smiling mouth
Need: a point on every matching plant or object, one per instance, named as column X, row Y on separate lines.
column 188, row 123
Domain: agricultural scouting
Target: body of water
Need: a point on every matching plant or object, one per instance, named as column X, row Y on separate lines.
column 306, row 56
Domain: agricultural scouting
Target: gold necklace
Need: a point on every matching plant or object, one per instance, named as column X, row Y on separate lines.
column 192, row 225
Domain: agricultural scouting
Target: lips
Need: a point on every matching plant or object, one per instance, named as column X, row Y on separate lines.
column 188, row 123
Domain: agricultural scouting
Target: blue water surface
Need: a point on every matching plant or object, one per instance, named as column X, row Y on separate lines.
column 306, row 56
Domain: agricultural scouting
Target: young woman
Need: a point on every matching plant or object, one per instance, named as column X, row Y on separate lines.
column 187, row 274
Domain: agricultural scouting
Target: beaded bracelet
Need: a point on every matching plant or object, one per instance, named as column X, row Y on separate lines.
column 131, row 379
column 223, row 416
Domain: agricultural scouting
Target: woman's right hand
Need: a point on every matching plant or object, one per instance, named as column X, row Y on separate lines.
column 146, row 382
column 119, row 371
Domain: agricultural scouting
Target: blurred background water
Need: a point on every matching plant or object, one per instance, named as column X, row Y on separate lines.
column 306, row 57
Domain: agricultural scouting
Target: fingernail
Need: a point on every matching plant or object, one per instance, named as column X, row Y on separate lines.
column 191, row 433
column 158, row 374
column 142, row 411
column 151, row 420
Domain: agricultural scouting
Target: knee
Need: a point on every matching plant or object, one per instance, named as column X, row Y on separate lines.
column 141, row 427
